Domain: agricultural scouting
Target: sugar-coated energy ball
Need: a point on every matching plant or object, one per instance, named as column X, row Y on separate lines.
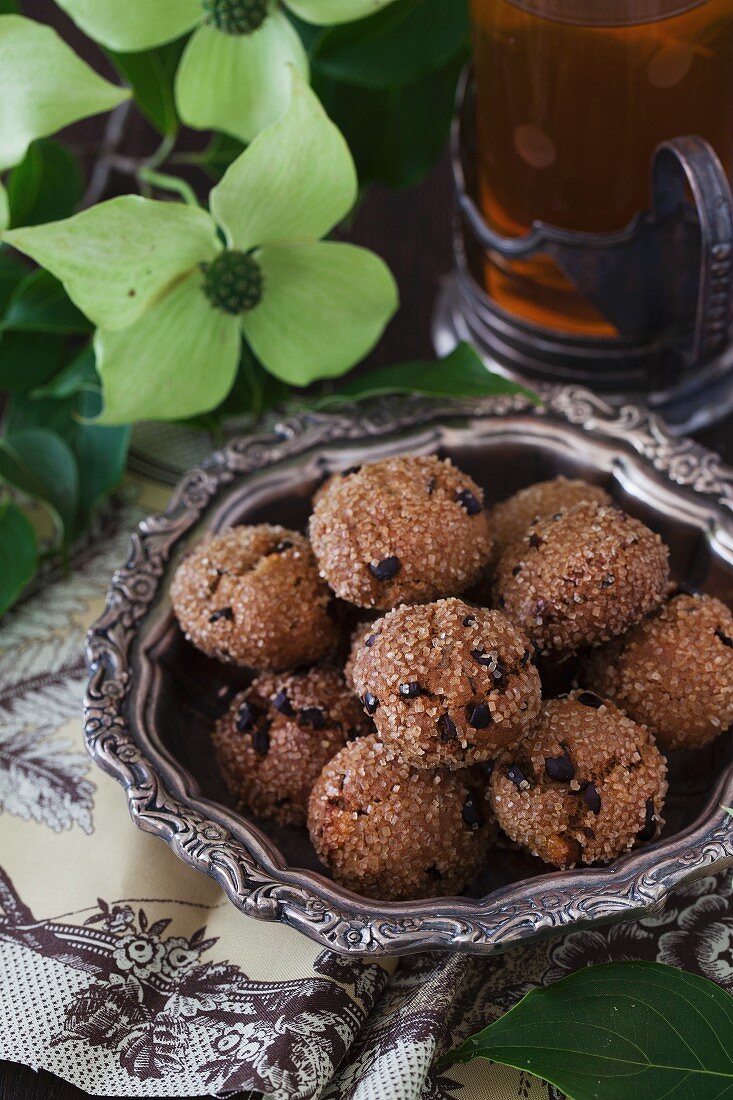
column 447, row 684
column 402, row 530
column 585, row 785
column 582, row 577
column 386, row 830
column 513, row 517
column 252, row 595
column 276, row 737
column 673, row 671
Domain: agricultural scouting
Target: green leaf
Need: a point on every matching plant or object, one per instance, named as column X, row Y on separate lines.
column 178, row 360
column 40, row 464
column 460, row 374
column 395, row 136
column 296, row 180
column 78, row 375
column 133, row 24
column 28, row 359
column 324, row 306
column 40, row 304
column 12, row 271
column 4, row 208
column 45, row 186
column 616, row 1031
column 397, row 46
column 63, row 88
column 221, row 151
column 118, row 257
column 9, row 7
column 150, row 74
column 238, row 83
column 325, row 12
column 18, row 554
column 101, row 453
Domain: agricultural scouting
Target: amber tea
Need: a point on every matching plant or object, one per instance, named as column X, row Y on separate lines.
column 573, row 96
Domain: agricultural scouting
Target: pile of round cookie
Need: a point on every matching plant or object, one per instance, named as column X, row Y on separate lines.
column 439, row 733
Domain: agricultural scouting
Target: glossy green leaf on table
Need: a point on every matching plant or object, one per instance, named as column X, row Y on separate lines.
column 18, row 554
column 460, row 374
column 618, row 1031
column 127, row 25
column 46, row 186
column 39, row 303
column 118, row 257
column 151, row 74
column 41, row 464
column 64, row 88
column 395, row 47
column 325, row 307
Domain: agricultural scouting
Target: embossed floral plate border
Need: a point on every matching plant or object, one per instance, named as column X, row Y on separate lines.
column 165, row 800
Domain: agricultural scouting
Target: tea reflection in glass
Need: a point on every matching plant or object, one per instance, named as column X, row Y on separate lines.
column 573, row 96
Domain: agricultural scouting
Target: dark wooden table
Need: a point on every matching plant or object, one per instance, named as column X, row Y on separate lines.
column 411, row 231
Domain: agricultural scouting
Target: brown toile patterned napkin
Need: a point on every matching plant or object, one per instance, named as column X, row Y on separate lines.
column 126, row 973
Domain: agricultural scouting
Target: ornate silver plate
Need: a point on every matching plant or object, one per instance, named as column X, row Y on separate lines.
column 152, row 699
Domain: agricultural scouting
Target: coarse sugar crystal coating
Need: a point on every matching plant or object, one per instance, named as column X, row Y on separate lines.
column 446, row 683
column 582, row 577
column 511, row 518
column 276, row 737
column 387, row 830
column 402, row 530
column 252, row 595
column 585, row 785
column 673, row 671
column 364, row 634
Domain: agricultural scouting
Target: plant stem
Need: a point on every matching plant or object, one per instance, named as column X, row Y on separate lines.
column 110, row 143
column 168, row 183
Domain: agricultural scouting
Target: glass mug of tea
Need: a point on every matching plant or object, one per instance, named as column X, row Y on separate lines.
column 572, row 99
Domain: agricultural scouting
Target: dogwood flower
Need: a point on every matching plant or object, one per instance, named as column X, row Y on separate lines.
column 174, row 289
column 233, row 75
column 63, row 90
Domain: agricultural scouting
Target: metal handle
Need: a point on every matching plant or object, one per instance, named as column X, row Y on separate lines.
column 691, row 162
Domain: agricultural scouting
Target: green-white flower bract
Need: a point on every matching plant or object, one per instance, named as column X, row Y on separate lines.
column 44, row 86
column 233, row 75
column 172, row 302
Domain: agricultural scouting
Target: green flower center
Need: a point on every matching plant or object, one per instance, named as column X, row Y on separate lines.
column 233, row 282
column 235, row 16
